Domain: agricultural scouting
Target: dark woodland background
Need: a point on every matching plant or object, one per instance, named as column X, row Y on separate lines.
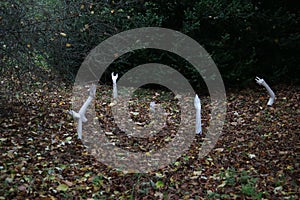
column 246, row 38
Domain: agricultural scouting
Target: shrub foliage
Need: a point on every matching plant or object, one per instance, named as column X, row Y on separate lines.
column 245, row 38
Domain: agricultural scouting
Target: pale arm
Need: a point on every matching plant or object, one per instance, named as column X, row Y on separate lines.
column 115, row 90
column 262, row 82
column 87, row 103
column 197, row 105
column 152, row 106
column 80, row 116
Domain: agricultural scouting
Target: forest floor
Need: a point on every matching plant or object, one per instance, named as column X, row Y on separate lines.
column 256, row 157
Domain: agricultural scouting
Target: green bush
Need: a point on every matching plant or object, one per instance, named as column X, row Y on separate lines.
column 245, row 38
column 93, row 23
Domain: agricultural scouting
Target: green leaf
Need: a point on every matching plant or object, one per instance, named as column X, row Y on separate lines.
column 159, row 184
column 62, row 187
column 159, row 175
column 222, row 184
column 135, row 113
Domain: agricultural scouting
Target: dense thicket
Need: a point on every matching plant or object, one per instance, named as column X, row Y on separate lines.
column 245, row 38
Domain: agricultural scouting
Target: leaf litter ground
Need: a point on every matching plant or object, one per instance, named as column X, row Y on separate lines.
column 256, row 157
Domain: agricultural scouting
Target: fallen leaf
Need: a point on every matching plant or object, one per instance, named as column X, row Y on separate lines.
column 62, row 187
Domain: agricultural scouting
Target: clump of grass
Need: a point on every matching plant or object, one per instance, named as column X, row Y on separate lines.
column 230, row 178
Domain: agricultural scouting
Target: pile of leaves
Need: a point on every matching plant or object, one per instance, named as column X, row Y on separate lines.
column 256, row 157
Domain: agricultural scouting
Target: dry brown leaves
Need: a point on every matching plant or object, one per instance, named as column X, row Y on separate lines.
column 256, row 157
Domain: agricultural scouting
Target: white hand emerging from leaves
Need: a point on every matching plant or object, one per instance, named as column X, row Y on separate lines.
column 80, row 116
column 114, row 79
column 197, row 105
column 262, row 82
column 259, row 81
